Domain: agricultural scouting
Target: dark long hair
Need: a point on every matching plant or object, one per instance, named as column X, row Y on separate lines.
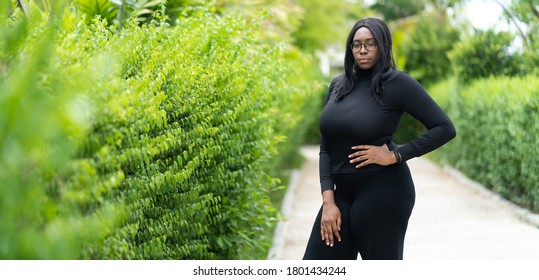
column 381, row 70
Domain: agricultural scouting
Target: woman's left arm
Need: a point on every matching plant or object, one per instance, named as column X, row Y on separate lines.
column 413, row 99
column 409, row 96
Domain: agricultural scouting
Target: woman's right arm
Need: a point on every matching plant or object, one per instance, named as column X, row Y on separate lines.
column 325, row 164
column 331, row 218
column 331, row 215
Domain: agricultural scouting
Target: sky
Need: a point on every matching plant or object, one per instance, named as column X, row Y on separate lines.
column 485, row 14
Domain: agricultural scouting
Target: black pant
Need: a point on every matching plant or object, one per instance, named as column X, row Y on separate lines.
column 375, row 208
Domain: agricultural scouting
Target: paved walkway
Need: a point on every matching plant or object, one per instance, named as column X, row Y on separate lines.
column 453, row 218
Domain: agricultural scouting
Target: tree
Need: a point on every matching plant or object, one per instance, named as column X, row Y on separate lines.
column 524, row 12
column 484, row 54
column 393, row 10
column 325, row 22
column 524, row 16
column 397, row 9
column 426, row 49
column 422, row 35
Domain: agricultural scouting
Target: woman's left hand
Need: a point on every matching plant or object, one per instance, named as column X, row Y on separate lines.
column 369, row 154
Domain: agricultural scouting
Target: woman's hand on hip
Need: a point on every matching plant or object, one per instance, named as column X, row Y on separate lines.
column 331, row 223
column 369, row 154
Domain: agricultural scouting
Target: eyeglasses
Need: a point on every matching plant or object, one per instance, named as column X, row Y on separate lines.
column 370, row 45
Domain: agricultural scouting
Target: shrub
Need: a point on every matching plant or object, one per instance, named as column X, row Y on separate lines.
column 41, row 115
column 153, row 142
column 496, row 120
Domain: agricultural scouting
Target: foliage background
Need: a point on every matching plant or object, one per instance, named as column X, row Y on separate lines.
column 156, row 129
column 150, row 141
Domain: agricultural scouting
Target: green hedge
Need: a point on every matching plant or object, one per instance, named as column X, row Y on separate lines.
column 496, row 122
column 152, row 142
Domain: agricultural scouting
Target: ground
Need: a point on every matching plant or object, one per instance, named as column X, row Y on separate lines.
column 454, row 218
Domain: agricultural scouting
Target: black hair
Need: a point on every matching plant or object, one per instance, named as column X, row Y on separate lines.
column 382, row 68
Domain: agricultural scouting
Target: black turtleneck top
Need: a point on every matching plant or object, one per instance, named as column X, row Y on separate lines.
column 360, row 119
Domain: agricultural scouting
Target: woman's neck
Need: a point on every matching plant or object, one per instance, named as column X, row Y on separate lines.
column 362, row 74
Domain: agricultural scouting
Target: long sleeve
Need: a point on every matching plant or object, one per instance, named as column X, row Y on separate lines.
column 325, row 163
column 417, row 102
column 326, row 182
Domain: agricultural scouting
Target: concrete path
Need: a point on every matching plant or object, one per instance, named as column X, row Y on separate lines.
column 454, row 218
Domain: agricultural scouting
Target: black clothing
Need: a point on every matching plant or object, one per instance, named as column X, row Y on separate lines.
column 375, row 208
column 359, row 119
column 375, row 201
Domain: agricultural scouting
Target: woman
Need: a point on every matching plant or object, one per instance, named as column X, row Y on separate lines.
column 367, row 190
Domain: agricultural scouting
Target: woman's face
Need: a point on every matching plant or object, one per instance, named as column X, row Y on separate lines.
column 366, row 52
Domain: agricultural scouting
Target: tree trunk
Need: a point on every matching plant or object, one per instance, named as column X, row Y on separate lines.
column 20, row 4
